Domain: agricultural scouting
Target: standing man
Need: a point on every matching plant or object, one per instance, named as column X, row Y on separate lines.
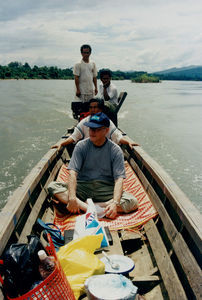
column 85, row 75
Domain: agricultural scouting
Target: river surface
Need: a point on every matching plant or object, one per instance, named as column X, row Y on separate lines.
column 164, row 118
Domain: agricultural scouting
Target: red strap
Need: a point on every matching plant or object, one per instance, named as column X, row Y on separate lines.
column 84, row 115
column 1, row 279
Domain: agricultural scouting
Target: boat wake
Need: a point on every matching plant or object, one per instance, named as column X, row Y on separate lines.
column 123, row 114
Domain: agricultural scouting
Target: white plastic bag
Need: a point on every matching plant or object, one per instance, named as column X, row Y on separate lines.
column 88, row 224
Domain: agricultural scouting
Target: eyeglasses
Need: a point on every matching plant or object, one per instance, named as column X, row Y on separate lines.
column 86, row 52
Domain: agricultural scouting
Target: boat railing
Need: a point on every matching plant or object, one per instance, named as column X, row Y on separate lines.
column 178, row 226
column 27, row 202
column 121, row 99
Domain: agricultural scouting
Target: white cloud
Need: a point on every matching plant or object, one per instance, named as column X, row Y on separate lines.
column 145, row 35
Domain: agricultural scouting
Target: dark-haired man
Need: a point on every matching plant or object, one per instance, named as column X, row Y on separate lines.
column 109, row 94
column 108, row 90
column 85, row 76
column 96, row 171
column 81, row 131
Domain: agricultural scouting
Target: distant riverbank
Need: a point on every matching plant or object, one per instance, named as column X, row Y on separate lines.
column 17, row 70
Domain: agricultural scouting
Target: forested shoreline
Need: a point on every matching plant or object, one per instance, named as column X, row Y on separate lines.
column 17, row 70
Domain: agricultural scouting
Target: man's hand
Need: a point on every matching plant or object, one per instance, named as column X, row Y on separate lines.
column 73, row 205
column 111, row 210
column 106, row 85
column 96, row 91
column 78, row 93
column 56, row 146
column 125, row 141
column 132, row 144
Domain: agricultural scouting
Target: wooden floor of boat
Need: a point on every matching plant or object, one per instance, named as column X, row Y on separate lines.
column 135, row 245
column 144, row 274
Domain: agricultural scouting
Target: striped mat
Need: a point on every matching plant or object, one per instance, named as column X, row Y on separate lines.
column 145, row 212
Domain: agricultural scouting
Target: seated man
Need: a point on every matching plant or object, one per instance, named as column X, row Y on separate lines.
column 97, row 172
column 96, row 105
column 109, row 94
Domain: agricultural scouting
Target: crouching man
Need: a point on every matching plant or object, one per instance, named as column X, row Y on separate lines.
column 96, row 171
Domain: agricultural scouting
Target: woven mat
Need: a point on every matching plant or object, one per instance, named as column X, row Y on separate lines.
column 145, row 212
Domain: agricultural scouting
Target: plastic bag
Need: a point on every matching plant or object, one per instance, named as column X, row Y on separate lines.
column 20, row 267
column 79, row 262
column 88, row 224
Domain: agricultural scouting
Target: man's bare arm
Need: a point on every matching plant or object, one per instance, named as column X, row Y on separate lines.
column 72, row 205
column 118, row 190
column 105, row 94
column 126, row 142
column 76, row 80
column 111, row 210
column 68, row 141
column 95, row 84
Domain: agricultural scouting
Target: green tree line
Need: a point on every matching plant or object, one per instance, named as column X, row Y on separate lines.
column 17, row 70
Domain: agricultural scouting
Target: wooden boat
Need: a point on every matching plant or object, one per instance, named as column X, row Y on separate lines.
column 166, row 250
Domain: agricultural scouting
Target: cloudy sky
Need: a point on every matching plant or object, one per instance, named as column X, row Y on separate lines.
column 142, row 35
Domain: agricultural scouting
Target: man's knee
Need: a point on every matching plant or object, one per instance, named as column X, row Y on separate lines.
column 58, row 191
column 128, row 202
column 56, row 187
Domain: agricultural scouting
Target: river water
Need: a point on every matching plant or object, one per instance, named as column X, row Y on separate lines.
column 164, row 118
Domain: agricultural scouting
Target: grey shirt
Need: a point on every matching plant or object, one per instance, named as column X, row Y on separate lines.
column 97, row 163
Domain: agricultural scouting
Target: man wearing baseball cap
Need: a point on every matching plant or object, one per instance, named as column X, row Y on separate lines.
column 97, row 171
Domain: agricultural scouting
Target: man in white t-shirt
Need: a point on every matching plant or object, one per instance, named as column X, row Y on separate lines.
column 81, row 131
column 85, row 76
column 109, row 94
column 108, row 90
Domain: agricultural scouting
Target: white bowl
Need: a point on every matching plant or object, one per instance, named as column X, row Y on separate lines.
column 126, row 264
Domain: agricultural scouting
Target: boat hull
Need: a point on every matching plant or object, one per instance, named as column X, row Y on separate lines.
column 174, row 231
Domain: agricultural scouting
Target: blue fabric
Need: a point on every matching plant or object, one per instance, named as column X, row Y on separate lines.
column 56, row 235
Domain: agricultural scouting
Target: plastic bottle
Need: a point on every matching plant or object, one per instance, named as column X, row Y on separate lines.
column 47, row 264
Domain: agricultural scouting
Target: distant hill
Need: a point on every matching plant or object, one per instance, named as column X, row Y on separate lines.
column 185, row 73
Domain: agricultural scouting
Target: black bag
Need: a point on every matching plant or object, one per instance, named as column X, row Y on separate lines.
column 20, row 267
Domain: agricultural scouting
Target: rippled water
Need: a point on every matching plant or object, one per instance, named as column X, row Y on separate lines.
column 165, row 118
